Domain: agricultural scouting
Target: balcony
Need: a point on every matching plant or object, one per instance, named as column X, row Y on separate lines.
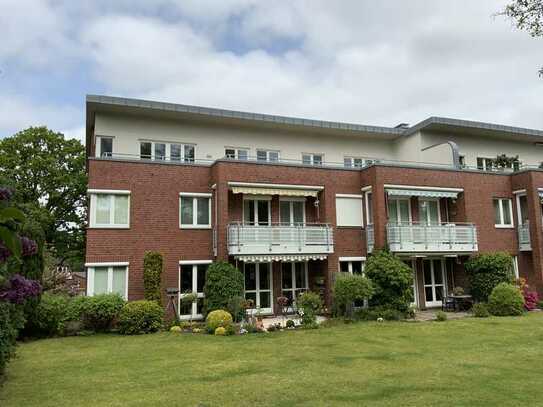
column 417, row 237
column 524, row 242
column 314, row 239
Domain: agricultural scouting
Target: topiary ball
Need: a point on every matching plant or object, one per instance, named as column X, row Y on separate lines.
column 218, row 318
column 176, row 329
column 220, row 331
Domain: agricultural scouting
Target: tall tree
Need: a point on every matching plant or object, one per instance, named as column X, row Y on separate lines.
column 528, row 16
column 48, row 175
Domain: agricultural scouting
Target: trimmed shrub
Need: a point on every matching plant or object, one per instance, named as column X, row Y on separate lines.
column 220, row 331
column 391, row 279
column 349, row 288
column 441, row 316
column 486, row 271
column 218, row 318
column 223, row 282
column 98, row 313
column 152, row 275
column 290, row 323
column 506, row 300
column 176, row 329
column 51, row 315
column 140, row 317
column 309, row 305
column 480, row 310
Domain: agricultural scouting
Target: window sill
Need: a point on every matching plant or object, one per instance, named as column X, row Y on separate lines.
column 349, row 227
column 504, row 226
column 109, row 227
column 195, row 227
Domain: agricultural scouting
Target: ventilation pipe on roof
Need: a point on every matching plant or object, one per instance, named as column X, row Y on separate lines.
column 455, row 152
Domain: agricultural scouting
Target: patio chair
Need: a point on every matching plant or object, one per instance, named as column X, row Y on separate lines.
column 448, row 304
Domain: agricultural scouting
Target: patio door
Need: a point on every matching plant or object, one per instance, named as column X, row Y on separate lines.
column 292, row 211
column 192, row 278
column 257, row 211
column 258, row 286
column 294, row 279
column 434, row 282
column 429, row 212
column 399, row 211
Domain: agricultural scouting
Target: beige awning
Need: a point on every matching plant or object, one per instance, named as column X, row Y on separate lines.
column 267, row 258
column 274, row 189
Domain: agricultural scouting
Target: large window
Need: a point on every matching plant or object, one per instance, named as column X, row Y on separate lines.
column 194, row 210
column 109, row 209
column 353, row 162
column 192, row 278
column 106, row 146
column 399, row 211
column 155, row 150
column 257, row 211
column 267, row 155
column 294, row 279
column 352, row 265
column 107, row 279
column 312, row 159
column 258, row 285
column 503, row 213
column 349, row 210
column 292, row 211
column 235, row 153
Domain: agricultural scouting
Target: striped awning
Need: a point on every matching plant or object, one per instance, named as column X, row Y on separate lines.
column 427, row 193
column 274, row 191
column 266, row 258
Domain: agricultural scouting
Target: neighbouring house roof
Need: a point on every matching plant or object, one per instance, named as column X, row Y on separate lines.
column 111, row 104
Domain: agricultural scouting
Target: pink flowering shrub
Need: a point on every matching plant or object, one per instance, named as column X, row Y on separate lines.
column 531, row 299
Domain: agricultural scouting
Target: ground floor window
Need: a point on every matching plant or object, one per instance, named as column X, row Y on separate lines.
column 192, row 277
column 352, row 265
column 258, row 285
column 294, row 279
column 107, row 279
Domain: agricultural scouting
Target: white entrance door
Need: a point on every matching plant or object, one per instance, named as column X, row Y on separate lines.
column 192, row 278
column 434, row 282
column 258, row 286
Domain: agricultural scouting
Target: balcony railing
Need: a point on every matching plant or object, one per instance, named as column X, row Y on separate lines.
column 280, row 239
column 421, row 237
column 524, row 241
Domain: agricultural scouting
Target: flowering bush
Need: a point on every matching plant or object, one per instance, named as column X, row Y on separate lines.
column 309, row 305
column 28, row 247
column 19, row 289
column 531, row 300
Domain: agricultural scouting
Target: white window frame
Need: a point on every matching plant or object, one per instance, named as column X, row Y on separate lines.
column 98, row 145
column 90, row 276
column 267, row 152
column 398, row 212
column 291, row 208
column 515, row 267
column 256, row 198
column 257, row 289
column 168, row 150
column 236, row 154
column 194, row 196
column 519, row 209
column 93, row 193
column 350, row 260
column 421, row 200
column 488, row 163
column 502, row 225
column 352, row 162
column 369, row 216
column 294, row 288
column 194, row 308
column 312, row 159
column 351, row 196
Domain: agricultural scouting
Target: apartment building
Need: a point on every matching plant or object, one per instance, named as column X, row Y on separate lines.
column 292, row 201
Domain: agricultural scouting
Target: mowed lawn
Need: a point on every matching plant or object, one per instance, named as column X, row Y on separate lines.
column 469, row 362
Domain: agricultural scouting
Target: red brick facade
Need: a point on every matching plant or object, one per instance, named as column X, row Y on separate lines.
column 154, row 213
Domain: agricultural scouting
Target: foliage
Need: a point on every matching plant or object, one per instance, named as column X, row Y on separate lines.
column 503, row 161
column 391, row 279
column 506, row 299
column 140, row 317
column 176, row 329
column 216, row 319
column 290, row 323
column 220, row 331
column 18, row 289
column 458, row 291
column 152, row 276
column 486, row 271
column 309, row 304
column 349, row 288
column 480, row 310
column 50, row 315
column 11, row 321
column 236, row 307
column 374, row 313
column 100, row 311
column 441, row 316
column 531, row 300
column 223, row 282
column 230, row 330
column 49, row 172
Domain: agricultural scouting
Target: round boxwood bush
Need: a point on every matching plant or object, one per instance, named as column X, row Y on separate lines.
column 349, row 288
column 223, row 283
column 506, row 299
column 218, row 318
column 99, row 312
column 220, row 331
column 480, row 310
column 140, row 317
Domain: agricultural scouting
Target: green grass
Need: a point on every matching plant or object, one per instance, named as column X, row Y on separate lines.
column 469, row 362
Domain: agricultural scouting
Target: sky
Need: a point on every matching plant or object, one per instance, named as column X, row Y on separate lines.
column 368, row 62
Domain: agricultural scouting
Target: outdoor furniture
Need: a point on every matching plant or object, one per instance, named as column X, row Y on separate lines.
column 449, row 304
column 462, row 302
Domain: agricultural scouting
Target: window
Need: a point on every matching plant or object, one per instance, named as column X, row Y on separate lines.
column 353, row 162
column 352, row 265
column 194, row 210
column 399, row 211
column 312, row 159
column 369, row 208
column 106, row 146
column 236, row 153
column 429, row 212
column 503, row 213
column 166, row 151
column 349, row 210
column 292, row 211
column 192, row 278
column 462, row 161
column 267, row 155
column 109, row 209
column 258, row 285
column 108, row 278
column 294, row 279
column 257, row 211
column 515, row 267
column 485, row 164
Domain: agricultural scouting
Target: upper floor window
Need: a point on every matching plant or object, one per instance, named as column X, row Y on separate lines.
column 194, row 210
column 369, row 208
column 107, row 279
column 352, row 265
column 106, row 146
column 485, row 164
column 503, row 213
column 166, row 151
column 462, row 161
column 236, row 153
column 109, row 209
column 312, row 159
column 353, row 162
column 349, row 210
column 267, row 155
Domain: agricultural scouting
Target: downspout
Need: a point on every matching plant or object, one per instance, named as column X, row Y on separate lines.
column 455, row 152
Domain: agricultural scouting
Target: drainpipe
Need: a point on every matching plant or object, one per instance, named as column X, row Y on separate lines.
column 455, row 152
